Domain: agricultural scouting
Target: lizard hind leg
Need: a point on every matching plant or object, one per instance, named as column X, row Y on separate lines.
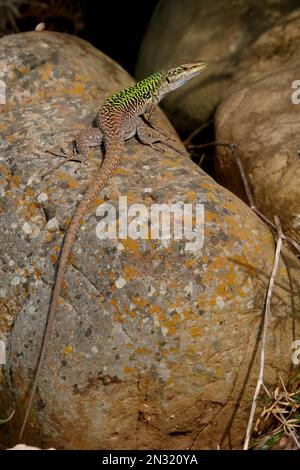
column 148, row 136
column 67, row 157
column 85, row 139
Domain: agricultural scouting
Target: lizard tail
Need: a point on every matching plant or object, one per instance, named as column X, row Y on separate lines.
column 110, row 163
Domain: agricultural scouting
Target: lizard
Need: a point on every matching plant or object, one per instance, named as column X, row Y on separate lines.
column 126, row 113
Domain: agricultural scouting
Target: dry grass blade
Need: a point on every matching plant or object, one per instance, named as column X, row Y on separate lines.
column 267, row 312
column 281, row 412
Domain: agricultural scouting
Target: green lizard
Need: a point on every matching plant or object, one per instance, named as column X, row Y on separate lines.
column 121, row 116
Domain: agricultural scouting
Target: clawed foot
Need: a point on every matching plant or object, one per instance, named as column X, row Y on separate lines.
column 177, row 149
column 73, row 156
column 157, row 148
column 163, row 133
column 168, row 144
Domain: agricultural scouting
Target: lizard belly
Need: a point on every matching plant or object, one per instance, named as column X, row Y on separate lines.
column 129, row 129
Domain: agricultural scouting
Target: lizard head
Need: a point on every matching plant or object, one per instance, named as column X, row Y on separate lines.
column 176, row 76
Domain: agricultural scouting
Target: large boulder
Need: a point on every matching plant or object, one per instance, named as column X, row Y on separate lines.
column 215, row 31
column 153, row 345
column 260, row 113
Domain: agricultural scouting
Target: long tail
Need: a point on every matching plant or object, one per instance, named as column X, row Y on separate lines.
column 112, row 157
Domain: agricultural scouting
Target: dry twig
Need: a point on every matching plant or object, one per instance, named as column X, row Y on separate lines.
column 235, row 153
column 197, row 131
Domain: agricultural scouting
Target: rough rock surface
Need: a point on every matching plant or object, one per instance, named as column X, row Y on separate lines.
column 260, row 116
column 152, row 345
column 216, row 31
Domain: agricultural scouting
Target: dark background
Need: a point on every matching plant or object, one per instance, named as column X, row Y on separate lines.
column 116, row 27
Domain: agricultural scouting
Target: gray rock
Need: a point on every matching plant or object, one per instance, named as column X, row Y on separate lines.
column 261, row 116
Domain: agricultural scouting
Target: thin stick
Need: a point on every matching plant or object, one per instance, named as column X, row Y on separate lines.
column 240, row 165
column 197, row 131
column 215, row 143
column 235, row 154
column 269, row 222
column 234, row 151
column 267, row 312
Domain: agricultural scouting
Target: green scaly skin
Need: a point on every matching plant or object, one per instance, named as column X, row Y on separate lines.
column 118, row 119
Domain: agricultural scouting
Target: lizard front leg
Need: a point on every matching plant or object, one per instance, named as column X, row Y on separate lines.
column 151, row 118
column 85, row 139
column 148, row 136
